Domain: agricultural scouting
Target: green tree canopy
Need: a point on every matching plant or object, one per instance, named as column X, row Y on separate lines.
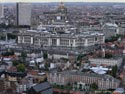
column 16, row 62
column 21, row 68
column 114, row 38
column 8, row 53
column 45, row 55
column 23, row 55
column 94, row 86
column 108, row 55
column 47, row 65
column 114, row 70
column 80, row 56
column 11, row 36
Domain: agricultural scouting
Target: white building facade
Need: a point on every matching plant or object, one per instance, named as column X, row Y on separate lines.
column 106, row 62
column 84, row 39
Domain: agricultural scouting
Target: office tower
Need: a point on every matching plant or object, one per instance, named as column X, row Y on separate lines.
column 1, row 10
column 23, row 14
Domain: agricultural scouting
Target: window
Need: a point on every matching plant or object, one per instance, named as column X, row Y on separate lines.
column 95, row 38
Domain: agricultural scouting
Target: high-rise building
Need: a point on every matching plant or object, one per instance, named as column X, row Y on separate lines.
column 1, row 10
column 23, row 14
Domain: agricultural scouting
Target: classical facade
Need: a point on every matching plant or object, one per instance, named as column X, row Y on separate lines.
column 85, row 39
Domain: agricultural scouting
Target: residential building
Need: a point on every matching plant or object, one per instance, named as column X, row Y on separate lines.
column 107, row 82
column 5, row 85
column 42, row 88
column 106, row 62
column 103, row 81
column 110, row 29
column 58, row 78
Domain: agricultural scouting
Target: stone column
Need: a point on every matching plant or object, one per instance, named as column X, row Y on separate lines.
column 32, row 40
column 19, row 39
column 103, row 39
column 74, row 43
column 23, row 39
column 86, row 42
column 49, row 42
column 58, row 41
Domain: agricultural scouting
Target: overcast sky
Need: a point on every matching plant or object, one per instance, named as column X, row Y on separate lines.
column 62, row 0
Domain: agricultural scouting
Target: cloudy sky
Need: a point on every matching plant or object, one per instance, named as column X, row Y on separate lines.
column 62, row 0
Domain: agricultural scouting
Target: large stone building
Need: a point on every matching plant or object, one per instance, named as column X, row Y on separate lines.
column 85, row 39
column 57, row 19
column 103, row 81
column 58, row 16
column 110, row 29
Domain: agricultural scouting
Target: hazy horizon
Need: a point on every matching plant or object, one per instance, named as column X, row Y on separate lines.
column 70, row 2
column 49, row 1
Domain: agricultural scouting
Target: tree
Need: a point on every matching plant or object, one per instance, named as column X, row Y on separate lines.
column 8, row 53
column 23, row 55
column 107, row 93
column 108, row 55
column 45, row 55
column 75, row 85
column 94, row 86
column 78, row 64
column 21, row 68
column 62, row 86
column 2, row 37
column 114, row 38
column 80, row 57
column 45, row 79
column 114, row 70
column 15, row 63
column 11, row 36
column 47, row 65
column 80, row 86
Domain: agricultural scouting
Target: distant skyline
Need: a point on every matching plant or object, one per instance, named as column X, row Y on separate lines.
column 6, row 1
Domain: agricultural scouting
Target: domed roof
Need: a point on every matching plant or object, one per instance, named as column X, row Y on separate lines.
column 62, row 7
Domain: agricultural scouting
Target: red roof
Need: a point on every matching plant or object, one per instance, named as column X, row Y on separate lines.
column 33, row 72
column 13, row 68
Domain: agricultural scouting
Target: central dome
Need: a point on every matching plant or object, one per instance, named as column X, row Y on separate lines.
column 62, row 8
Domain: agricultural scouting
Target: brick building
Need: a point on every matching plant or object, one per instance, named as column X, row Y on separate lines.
column 103, row 81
